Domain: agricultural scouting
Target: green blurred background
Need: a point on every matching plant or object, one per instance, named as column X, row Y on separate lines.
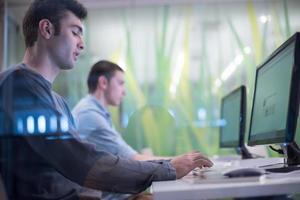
column 180, row 58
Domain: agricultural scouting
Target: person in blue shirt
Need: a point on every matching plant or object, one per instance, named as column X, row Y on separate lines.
column 106, row 86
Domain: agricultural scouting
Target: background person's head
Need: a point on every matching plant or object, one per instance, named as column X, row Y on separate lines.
column 108, row 78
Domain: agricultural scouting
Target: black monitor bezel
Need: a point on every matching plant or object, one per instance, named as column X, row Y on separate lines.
column 242, row 124
column 293, row 107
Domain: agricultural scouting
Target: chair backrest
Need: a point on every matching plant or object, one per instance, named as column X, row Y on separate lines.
column 152, row 127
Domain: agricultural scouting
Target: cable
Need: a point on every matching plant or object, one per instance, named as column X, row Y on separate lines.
column 280, row 151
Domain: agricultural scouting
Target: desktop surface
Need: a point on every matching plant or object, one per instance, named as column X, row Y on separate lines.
column 237, row 187
column 213, row 185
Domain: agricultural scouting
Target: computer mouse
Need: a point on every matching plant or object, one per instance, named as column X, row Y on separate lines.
column 244, row 172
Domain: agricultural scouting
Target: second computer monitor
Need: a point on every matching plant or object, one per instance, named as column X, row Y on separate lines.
column 233, row 115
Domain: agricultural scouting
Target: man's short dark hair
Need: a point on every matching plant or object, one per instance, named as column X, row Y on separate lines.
column 54, row 11
column 101, row 68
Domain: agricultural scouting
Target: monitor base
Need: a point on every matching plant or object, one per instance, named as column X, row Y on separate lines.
column 292, row 153
column 283, row 169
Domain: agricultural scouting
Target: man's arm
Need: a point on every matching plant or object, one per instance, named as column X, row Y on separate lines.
column 94, row 128
column 81, row 162
column 144, row 157
column 72, row 158
column 183, row 163
column 180, row 165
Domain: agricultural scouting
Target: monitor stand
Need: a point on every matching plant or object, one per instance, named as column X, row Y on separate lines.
column 243, row 151
column 291, row 162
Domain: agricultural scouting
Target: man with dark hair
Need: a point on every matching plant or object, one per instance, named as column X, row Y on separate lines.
column 43, row 157
column 44, row 9
column 102, row 68
column 106, row 86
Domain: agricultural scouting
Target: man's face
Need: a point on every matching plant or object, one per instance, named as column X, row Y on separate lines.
column 115, row 90
column 65, row 47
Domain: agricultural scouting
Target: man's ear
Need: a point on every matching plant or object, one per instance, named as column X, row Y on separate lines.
column 46, row 28
column 102, row 82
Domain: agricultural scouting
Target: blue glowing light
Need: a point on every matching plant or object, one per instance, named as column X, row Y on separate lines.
column 30, row 124
column 42, row 124
column 64, row 125
column 53, row 124
column 20, row 126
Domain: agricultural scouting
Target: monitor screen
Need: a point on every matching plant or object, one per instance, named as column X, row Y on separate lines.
column 273, row 118
column 233, row 118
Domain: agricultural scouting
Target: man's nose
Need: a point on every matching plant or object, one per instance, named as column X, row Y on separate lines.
column 81, row 44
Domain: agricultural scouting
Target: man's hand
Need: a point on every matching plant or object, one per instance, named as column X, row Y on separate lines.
column 185, row 163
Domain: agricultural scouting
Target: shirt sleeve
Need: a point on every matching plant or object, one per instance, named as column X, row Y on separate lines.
column 129, row 176
column 83, row 164
column 74, row 159
column 95, row 129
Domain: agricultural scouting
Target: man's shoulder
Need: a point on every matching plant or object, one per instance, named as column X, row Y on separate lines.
column 86, row 106
column 88, row 114
column 20, row 75
column 16, row 78
column 12, row 71
column 59, row 98
column 24, row 86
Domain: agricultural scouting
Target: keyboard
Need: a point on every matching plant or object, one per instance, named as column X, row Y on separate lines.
column 218, row 168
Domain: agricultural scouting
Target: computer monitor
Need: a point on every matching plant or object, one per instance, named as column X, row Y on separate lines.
column 276, row 100
column 233, row 115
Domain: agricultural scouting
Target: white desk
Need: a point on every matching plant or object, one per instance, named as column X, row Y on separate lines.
column 194, row 188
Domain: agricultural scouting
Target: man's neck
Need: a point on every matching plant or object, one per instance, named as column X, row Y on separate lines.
column 39, row 62
column 100, row 97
